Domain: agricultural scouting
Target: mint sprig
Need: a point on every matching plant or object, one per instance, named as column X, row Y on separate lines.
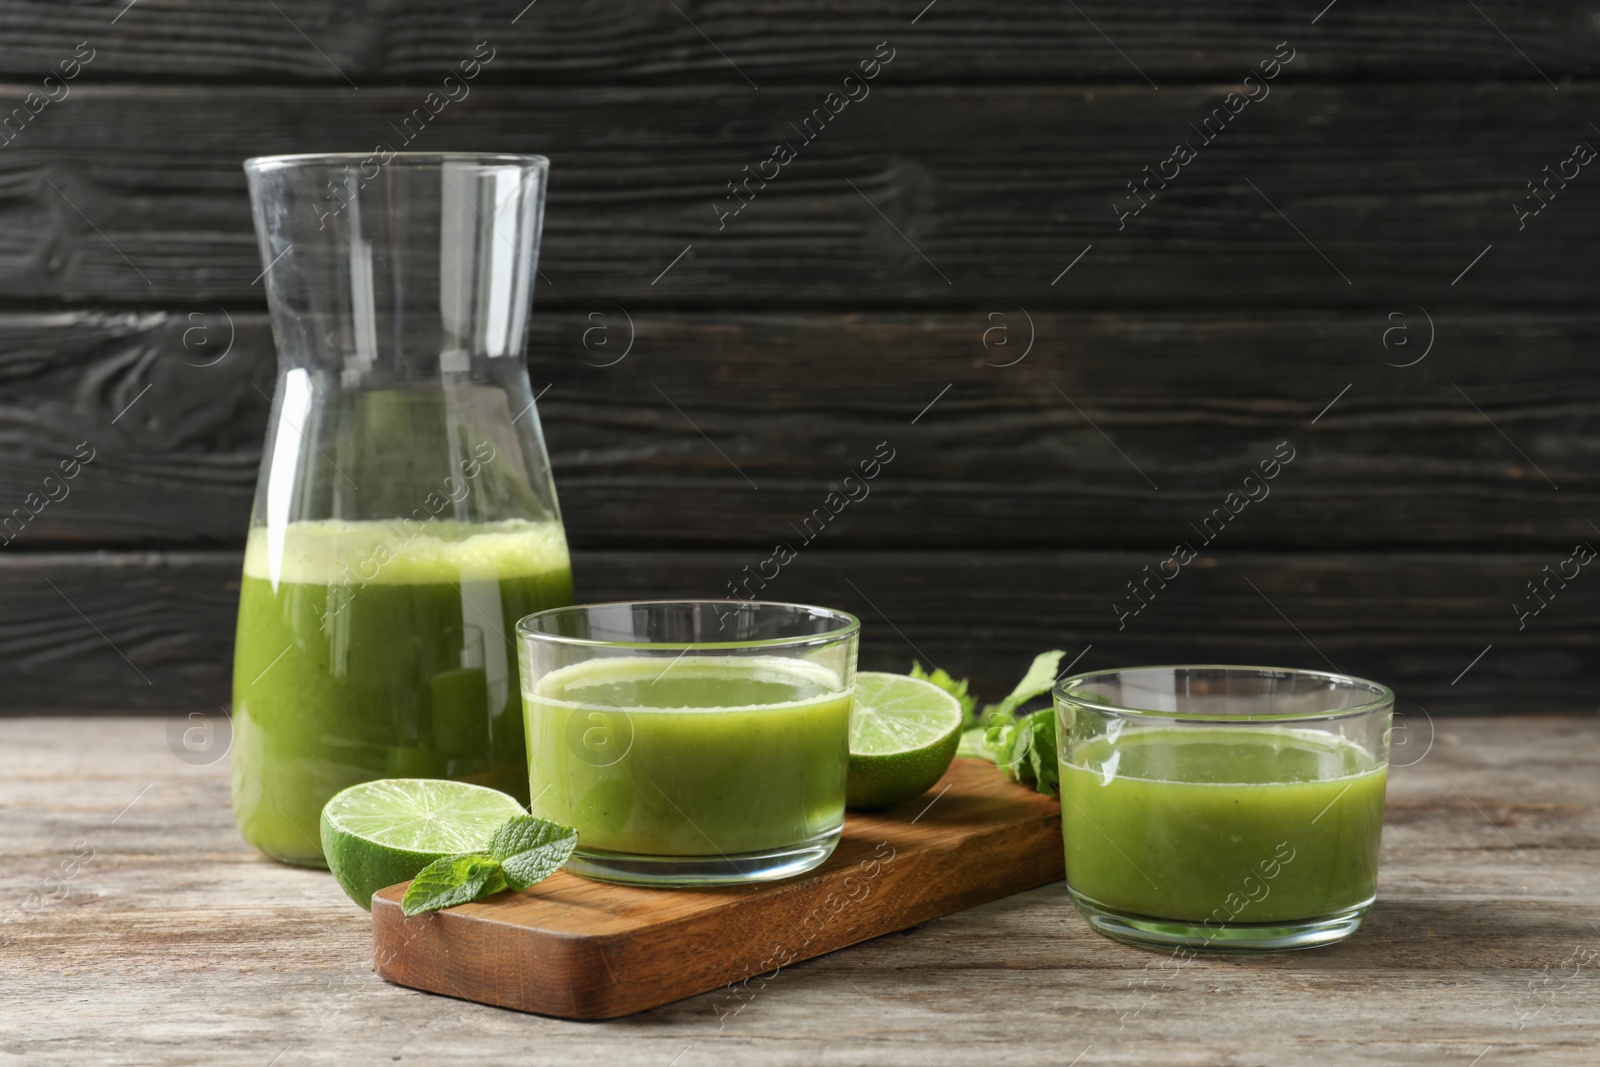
column 452, row 880
column 1025, row 748
column 523, row 852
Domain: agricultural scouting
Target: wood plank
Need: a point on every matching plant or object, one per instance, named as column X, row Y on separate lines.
column 1420, row 622
column 170, row 420
column 122, row 631
column 960, row 194
column 1008, row 457
column 581, row 949
column 638, row 41
column 176, row 937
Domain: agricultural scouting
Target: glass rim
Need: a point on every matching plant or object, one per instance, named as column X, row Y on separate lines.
column 1383, row 696
column 851, row 626
column 405, row 159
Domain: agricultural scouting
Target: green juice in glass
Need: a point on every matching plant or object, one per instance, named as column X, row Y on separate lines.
column 1222, row 826
column 380, row 649
column 703, row 756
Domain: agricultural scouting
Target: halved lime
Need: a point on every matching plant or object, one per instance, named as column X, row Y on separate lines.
column 903, row 735
column 378, row 833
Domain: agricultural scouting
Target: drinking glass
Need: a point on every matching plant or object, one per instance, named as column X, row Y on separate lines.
column 405, row 516
column 1220, row 808
column 690, row 742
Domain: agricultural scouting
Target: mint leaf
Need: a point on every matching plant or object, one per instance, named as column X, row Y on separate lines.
column 523, row 852
column 531, row 849
column 1039, row 680
column 453, row 880
column 1026, row 750
column 944, row 681
column 523, row 832
column 1042, row 751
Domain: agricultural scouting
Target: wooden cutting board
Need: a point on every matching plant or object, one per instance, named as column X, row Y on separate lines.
column 581, row 949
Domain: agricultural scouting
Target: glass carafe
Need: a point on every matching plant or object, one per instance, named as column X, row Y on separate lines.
column 405, row 517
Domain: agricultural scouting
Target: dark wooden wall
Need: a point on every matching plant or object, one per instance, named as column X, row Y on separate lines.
column 1359, row 216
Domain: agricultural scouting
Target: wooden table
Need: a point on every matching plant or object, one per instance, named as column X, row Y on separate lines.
column 171, row 942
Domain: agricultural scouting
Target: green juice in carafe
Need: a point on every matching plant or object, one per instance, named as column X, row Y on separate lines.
column 380, row 649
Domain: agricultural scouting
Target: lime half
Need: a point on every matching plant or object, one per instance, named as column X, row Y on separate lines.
column 903, row 735
column 379, row 833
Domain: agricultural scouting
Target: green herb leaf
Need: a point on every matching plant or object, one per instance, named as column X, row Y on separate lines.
column 969, row 702
column 1042, row 751
column 523, row 852
column 1037, row 682
column 523, row 832
column 453, row 880
column 1026, row 750
column 531, row 849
